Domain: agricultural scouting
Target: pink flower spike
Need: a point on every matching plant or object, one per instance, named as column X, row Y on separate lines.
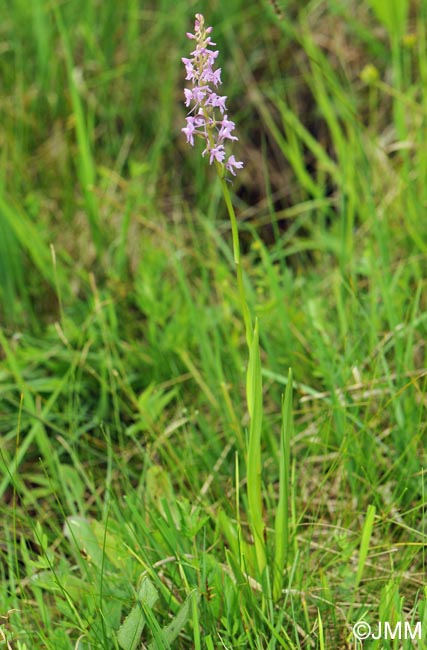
column 210, row 121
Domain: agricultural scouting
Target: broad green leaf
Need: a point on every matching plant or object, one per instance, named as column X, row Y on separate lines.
column 80, row 532
column 112, row 544
column 159, row 491
column 129, row 633
column 171, row 631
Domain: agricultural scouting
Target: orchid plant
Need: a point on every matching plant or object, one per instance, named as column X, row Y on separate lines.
column 208, row 119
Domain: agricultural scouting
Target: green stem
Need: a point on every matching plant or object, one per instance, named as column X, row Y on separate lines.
column 236, row 253
column 253, row 397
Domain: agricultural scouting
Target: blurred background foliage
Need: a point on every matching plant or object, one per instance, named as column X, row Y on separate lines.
column 94, row 163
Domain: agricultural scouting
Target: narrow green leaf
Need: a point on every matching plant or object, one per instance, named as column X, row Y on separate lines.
column 254, row 399
column 393, row 14
column 28, row 236
column 86, row 167
column 282, row 514
column 321, row 634
column 364, row 544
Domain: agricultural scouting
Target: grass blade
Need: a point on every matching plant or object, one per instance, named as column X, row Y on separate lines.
column 281, row 527
column 364, row 544
column 86, row 165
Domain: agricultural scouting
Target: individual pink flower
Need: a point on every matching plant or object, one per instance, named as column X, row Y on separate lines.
column 215, row 153
column 232, row 164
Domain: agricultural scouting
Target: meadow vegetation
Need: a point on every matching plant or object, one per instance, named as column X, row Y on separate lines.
column 123, row 454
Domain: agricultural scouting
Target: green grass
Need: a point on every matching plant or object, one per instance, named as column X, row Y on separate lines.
column 128, row 451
